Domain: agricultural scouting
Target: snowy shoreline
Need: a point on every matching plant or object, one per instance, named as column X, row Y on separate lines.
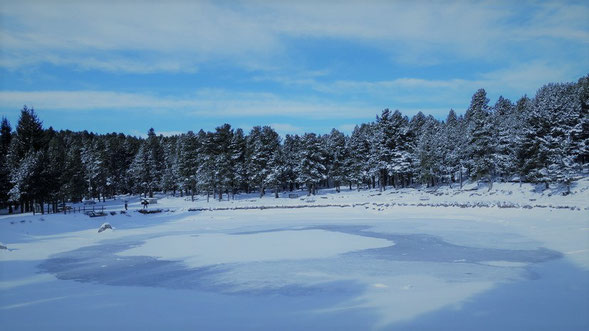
column 502, row 195
column 376, row 206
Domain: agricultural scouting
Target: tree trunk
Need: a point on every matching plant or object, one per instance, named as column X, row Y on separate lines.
column 490, row 184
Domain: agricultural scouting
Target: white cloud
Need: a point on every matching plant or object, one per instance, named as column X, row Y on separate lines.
column 410, row 95
column 179, row 35
column 437, row 96
column 205, row 103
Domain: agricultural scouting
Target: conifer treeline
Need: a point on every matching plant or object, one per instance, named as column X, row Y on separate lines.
column 539, row 140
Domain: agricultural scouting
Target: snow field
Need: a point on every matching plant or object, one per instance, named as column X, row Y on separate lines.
column 398, row 262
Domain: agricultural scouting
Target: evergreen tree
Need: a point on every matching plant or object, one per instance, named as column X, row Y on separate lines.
column 359, row 164
column 311, row 169
column 400, row 167
column 276, row 173
column 73, row 177
column 580, row 131
column 147, row 167
column 5, row 140
column 429, row 150
column 262, row 143
column 291, row 158
column 56, row 157
column 504, row 125
column 481, row 146
column 170, row 176
column 206, row 174
column 337, row 154
column 237, row 150
column 225, row 173
column 25, row 159
column 189, row 147
column 453, row 147
column 383, row 146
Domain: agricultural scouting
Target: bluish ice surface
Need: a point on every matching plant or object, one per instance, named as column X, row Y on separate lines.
column 96, row 289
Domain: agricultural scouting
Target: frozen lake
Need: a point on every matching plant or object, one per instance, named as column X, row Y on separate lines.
column 334, row 269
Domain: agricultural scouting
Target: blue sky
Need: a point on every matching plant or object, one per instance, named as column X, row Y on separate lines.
column 298, row 66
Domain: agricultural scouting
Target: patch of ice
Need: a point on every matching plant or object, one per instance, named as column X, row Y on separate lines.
column 212, row 249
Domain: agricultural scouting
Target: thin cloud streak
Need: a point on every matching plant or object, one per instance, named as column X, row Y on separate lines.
column 206, row 103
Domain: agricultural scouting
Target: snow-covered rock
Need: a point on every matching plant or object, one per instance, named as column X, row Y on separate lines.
column 2, row 246
column 104, row 227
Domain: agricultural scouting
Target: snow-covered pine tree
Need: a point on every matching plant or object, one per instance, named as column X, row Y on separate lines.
column 311, row 168
column 147, row 167
column 359, row 164
column 481, row 147
column 54, row 169
column 400, row 166
column 524, row 139
column 118, row 155
column 74, row 185
column 416, row 126
column 565, row 109
column 580, row 132
column 25, row 159
column 238, row 151
column 453, row 147
column 337, row 153
column 262, row 143
column 276, row 173
column 155, row 159
column 383, row 146
column 188, row 148
column 546, row 148
column 225, row 173
column 504, row 125
column 5, row 139
column 206, row 173
column 429, row 151
column 24, row 180
column 93, row 159
column 170, row 176
column 291, row 151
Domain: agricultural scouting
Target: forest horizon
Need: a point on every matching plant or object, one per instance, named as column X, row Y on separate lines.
column 544, row 139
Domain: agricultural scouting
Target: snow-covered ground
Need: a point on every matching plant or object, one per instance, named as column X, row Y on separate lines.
column 508, row 258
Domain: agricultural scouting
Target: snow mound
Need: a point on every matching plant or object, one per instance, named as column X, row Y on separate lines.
column 104, row 227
